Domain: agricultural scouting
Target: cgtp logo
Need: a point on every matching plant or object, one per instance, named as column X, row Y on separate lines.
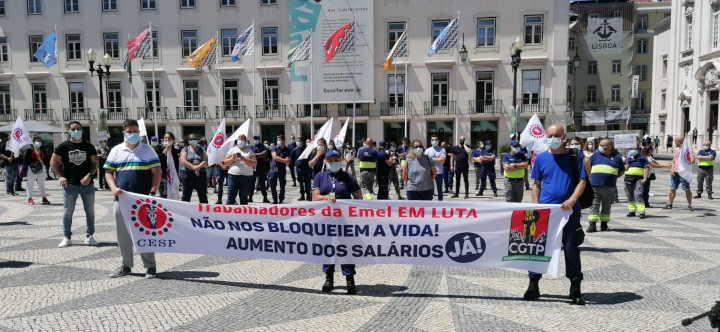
column 150, row 218
column 17, row 134
column 687, row 157
column 219, row 139
column 537, row 131
column 465, row 247
column 528, row 236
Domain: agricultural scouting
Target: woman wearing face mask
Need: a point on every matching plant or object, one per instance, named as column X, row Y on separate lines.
column 575, row 143
column 648, row 152
column 588, row 149
column 332, row 185
column 419, row 174
column 162, row 150
column 193, row 163
column 317, row 155
column 637, row 171
column 240, row 175
column 34, row 159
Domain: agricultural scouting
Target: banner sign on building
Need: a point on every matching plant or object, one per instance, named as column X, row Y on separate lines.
column 509, row 235
column 349, row 75
column 614, row 116
column 635, row 85
column 605, row 35
column 593, row 118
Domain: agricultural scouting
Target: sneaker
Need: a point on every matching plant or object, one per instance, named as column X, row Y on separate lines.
column 631, row 214
column 698, row 196
column 495, row 194
column 45, row 201
column 19, row 189
column 691, row 208
column 65, row 243
column 151, row 273
column 90, row 240
column 710, row 196
column 642, row 216
column 120, row 272
column 667, row 207
column 30, row 201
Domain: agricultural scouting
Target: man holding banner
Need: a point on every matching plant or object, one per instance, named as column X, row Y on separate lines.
column 560, row 180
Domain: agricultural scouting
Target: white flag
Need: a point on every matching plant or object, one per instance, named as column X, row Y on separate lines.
column 321, row 133
column 533, row 137
column 684, row 162
column 244, row 129
column 19, row 137
column 340, row 137
column 141, row 125
column 173, row 180
column 213, row 149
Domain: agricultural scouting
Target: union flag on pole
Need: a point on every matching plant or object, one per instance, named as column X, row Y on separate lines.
column 140, row 45
column 341, row 41
column 398, row 50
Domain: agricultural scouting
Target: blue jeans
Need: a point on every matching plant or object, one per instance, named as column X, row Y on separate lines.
column 87, row 194
column 572, row 237
column 439, row 185
column 448, row 175
column 347, row 269
column 426, row 195
column 10, row 174
column 243, row 185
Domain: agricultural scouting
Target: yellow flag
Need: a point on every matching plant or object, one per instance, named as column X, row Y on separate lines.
column 398, row 50
column 196, row 58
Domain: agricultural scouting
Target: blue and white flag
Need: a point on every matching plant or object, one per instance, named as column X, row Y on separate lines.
column 244, row 44
column 448, row 38
column 46, row 52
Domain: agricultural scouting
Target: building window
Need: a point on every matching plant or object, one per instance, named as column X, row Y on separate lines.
column 484, row 87
column 571, row 69
column 112, row 44
column 571, row 43
column 109, row 5
column 5, row 99
column 437, row 27
column 151, row 102
column 663, row 100
column 591, row 94
column 34, row 7
column 228, row 37
column 74, row 49
column 3, row 49
column 2, row 7
column 185, row 4
column 664, row 67
column 641, row 100
column 592, row 67
column 593, row 15
column 534, row 29
column 268, row 2
column 396, row 90
column 270, row 41
column 440, row 88
column 616, row 66
column 641, row 70
column 641, row 24
column 35, row 42
column 642, row 45
column 72, row 6
column 271, row 93
column 77, row 99
column 689, row 33
column 192, row 95
column 39, row 97
column 148, row 4
column 227, row 3
column 114, row 97
column 531, row 86
column 716, row 27
column 154, row 35
column 486, row 32
column 615, row 93
column 617, row 13
column 189, row 42
column 231, row 95
column 395, row 29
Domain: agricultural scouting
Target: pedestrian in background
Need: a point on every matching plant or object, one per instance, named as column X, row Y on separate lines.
column 675, row 179
column 706, row 162
column 514, row 165
column 7, row 159
column 486, row 159
column 34, row 158
column 605, row 167
column 459, row 164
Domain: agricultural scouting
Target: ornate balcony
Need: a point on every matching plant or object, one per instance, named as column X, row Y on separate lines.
column 533, row 105
column 40, row 114
column 276, row 112
column 232, row 112
column 440, row 108
column 394, row 109
column 80, row 114
column 360, row 109
column 303, row 111
column 488, row 106
column 153, row 113
column 191, row 112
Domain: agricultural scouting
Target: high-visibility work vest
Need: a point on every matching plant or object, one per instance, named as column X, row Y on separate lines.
column 640, row 171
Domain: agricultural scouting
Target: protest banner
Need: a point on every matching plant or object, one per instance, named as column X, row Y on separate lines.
column 510, row 235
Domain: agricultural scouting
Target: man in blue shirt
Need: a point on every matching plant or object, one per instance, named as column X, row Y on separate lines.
column 291, row 146
column 368, row 165
column 280, row 159
column 261, row 170
column 385, row 165
column 437, row 154
column 486, row 160
column 605, row 167
column 706, row 162
column 302, row 170
column 514, row 165
column 557, row 180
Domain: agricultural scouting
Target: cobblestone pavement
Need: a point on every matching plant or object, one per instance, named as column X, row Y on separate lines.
column 645, row 275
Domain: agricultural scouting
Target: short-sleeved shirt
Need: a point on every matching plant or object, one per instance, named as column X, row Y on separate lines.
column 420, row 174
column 487, row 164
column 348, row 153
column 605, row 169
column 557, row 177
column 516, row 158
column 461, row 156
column 448, row 151
column 240, row 167
column 262, row 162
column 382, row 166
column 75, row 158
column 636, row 164
column 436, row 152
column 133, row 167
column 341, row 183
column 302, row 166
column 194, row 157
column 367, row 155
column 281, row 152
column 705, row 164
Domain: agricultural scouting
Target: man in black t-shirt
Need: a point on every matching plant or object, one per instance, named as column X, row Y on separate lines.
column 459, row 164
column 79, row 164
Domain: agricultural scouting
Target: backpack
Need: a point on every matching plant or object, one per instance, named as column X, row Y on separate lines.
column 588, row 195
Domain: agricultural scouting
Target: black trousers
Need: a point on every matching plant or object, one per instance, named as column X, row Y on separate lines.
column 274, row 177
column 304, row 178
column 462, row 172
column 383, row 179
column 261, row 181
column 191, row 182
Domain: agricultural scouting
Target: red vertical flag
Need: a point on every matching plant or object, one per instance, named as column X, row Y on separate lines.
column 342, row 40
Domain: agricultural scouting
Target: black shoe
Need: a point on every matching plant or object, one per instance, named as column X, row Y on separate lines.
column 710, row 196
column 265, row 200
column 302, row 198
column 699, row 195
column 617, row 200
column 631, row 214
column 120, row 272
column 527, row 188
column 667, row 207
column 218, row 202
column 691, row 208
column 401, row 198
column 454, row 196
column 446, row 191
column 19, row 189
column 592, row 228
column 604, row 227
column 576, row 294
column 479, row 193
column 151, row 273
column 328, row 285
column 533, row 291
column 281, row 201
column 351, row 289
column 467, row 196
column 294, row 184
column 642, row 216
column 494, row 193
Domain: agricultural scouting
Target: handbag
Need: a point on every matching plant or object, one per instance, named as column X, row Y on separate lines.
column 36, row 167
column 588, row 195
column 652, row 177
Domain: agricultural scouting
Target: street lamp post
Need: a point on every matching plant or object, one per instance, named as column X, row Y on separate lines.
column 515, row 50
column 576, row 64
column 106, row 61
column 462, row 55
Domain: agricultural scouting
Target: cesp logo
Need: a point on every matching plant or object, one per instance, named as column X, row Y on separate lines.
column 150, row 218
column 465, row 247
column 528, row 236
column 17, row 134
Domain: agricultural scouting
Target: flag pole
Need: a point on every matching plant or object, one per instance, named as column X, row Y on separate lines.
column 132, row 94
column 252, row 112
column 395, row 82
column 457, row 81
column 59, row 85
column 218, row 54
column 152, row 57
column 353, row 80
column 312, row 105
column 405, row 95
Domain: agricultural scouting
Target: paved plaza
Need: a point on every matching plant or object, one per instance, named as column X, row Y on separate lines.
column 645, row 275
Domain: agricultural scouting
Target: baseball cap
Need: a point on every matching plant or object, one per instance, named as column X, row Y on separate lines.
column 514, row 143
column 154, row 138
column 382, row 142
column 256, row 136
column 331, row 153
column 488, row 142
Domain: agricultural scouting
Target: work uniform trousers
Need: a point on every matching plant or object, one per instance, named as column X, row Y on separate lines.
column 572, row 237
column 600, row 209
column 125, row 242
column 634, row 192
column 514, row 190
column 275, row 177
column 383, row 179
column 367, row 182
column 485, row 174
column 304, row 178
column 705, row 173
column 347, row 269
column 462, row 172
column 261, row 180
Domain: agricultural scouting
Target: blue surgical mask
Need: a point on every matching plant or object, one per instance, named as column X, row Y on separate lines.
column 554, row 142
column 434, row 142
column 279, row 143
column 418, row 150
column 193, row 142
column 299, row 144
column 256, row 142
column 632, row 153
column 132, row 138
column 706, row 147
column 334, row 167
column 241, row 144
column 321, row 147
column 154, row 143
column 601, row 149
column 38, row 144
column 488, row 147
column 76, row 134
column 516, row 149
